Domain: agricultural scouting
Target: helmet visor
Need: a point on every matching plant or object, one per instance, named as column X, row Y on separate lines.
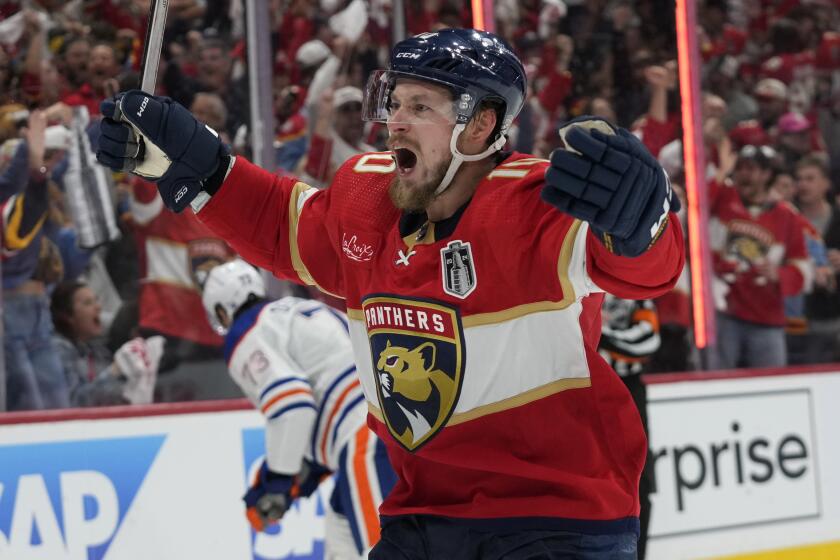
column 386, row 101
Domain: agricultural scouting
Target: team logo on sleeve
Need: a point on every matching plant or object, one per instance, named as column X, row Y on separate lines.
column 458, row 270
column 417, row 349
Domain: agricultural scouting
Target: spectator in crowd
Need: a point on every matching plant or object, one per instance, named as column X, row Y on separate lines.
column 828, row 120
column 102, row 70
column 337, row 135
column 722, row 80
column 759, row 257
column 214, row 74
column 796, row 328
column 796, row 137
column 771, row 95
column 290, row 139
column 822, row 305
column 34, row 377
column 95, row 377
column 210, row 109
column 176, row 252
column 659, row 125
column 783, row 186
column 74, row 56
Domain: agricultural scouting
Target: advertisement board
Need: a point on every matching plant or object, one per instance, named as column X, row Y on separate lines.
column 743, row 465
column 126, row 488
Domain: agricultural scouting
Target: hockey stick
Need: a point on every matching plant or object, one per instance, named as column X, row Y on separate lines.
column 148, row 70
column 153, row 45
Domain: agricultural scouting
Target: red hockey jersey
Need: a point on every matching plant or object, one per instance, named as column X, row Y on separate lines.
column 741, row 238
column 475, row 337
column 175, row 253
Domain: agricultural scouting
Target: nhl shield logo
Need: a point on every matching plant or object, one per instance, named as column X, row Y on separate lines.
column 458, row 270
column 417, row 348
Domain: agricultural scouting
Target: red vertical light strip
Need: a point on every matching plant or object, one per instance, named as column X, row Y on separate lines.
column 483, row 19
column 489, row 16
column 695, row 180
column 478, row 14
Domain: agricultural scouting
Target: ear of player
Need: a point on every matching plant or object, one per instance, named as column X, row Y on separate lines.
column 158, row 139
column 608, row 178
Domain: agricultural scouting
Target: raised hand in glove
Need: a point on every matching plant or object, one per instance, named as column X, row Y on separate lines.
column 607, row 177
column 160, row 140
column 137, row 360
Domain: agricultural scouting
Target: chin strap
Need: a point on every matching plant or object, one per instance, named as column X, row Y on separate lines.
column 458, row 158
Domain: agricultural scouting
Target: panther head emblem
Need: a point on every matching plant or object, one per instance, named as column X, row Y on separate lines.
column 418, row 361
column 413, row 389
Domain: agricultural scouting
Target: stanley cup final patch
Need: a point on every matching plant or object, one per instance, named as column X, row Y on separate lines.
column 457, row 268
column 417, row 348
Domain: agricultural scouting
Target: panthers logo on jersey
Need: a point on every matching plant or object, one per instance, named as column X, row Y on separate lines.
column 417, row 349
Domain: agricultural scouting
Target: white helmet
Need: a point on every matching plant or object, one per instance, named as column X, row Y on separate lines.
column 228, row 286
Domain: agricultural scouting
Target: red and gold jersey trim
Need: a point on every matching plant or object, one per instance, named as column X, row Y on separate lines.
column 300, row 193
column 294, row 215
column 506, row 404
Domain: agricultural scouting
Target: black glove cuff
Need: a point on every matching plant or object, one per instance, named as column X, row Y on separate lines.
column 212, row 183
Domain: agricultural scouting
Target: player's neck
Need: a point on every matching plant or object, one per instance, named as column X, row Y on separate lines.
column 461, row 189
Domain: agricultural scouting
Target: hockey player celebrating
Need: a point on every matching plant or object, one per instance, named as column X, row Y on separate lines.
column 473, row 279
column 293, row 359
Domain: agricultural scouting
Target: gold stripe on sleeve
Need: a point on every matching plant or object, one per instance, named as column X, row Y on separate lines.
column 563, row 262
column 297, row 263
column 294, row 213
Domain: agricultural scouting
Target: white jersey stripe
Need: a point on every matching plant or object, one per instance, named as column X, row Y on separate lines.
column 354, row 490
column 373, row 473
column 493, row 349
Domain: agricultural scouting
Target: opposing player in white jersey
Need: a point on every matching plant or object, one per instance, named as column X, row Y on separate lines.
column 292, row 358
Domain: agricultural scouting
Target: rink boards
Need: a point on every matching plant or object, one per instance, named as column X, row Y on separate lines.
column 747, row 466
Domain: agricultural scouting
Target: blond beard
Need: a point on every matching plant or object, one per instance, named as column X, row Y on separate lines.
column 416, row 198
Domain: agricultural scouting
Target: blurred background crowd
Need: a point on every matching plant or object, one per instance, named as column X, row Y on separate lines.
column 101, row 286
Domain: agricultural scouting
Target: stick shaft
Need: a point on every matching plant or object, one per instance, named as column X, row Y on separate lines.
column 153, row 45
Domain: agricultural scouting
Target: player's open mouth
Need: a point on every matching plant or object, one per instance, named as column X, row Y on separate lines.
column 406, row 160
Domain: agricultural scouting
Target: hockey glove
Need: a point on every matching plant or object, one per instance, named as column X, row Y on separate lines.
column 158, row 139
column 310, row 477
column 607, row 177
column 269, row 497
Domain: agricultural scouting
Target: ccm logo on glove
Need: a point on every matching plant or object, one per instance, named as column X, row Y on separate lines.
column 143, row 106
column 180, row 194
column 180, row 154
column 666, row 206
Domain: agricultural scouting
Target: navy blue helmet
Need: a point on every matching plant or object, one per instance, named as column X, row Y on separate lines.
column 474, row 65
